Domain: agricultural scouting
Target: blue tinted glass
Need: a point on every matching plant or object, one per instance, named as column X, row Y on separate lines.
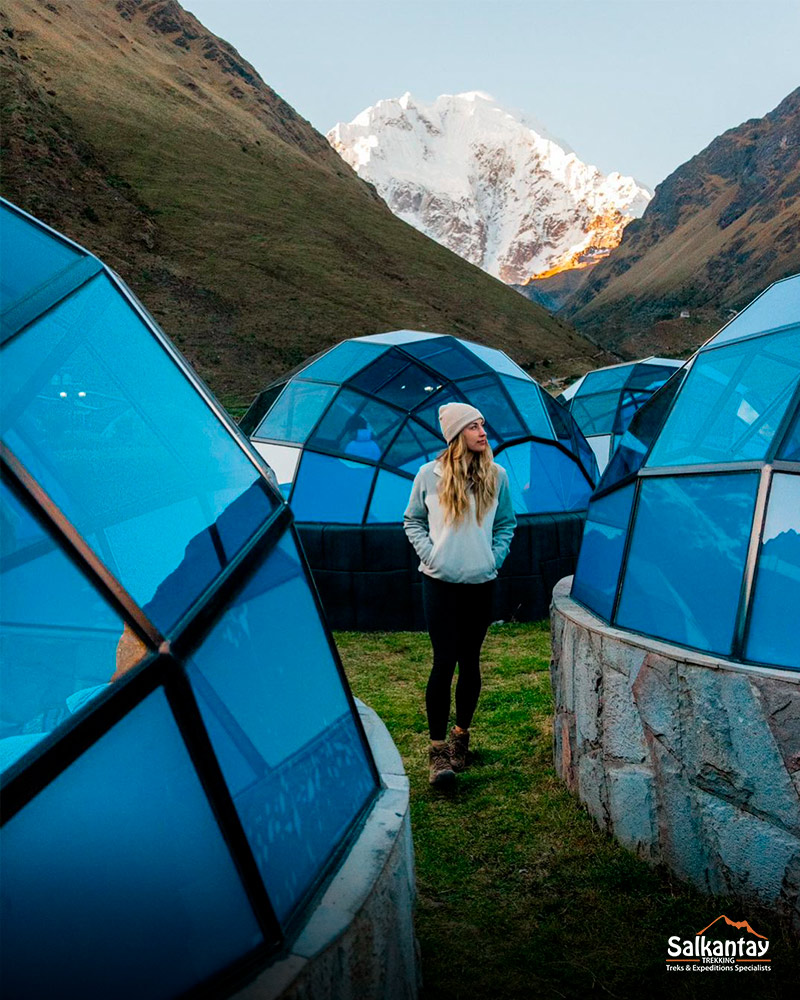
column 687, row 557
column 448, row 356
column 413, row 446
column 790, row 449
column 731, row 403
column 597, row 573
column 773, row 633
column 630, row 453
column 390, row 498
column 343, row 361
column 58, row 637
column 595, row 414
column 487, row 394
column 115, row 433
column 116, row 879
column 428, row 412
column 527, row 396
column 282, row 727
column 30, row 257
column 543, row 479
column 294, row 414
column 401, row 337
column 333, row 490
column 605, row 380
column 358, row 426
column 651, row 376
column 778, row 306
column 397, row 380
column 498, row 361
column 630, row 401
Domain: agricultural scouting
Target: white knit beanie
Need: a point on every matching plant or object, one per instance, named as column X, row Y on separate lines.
column 454, row 417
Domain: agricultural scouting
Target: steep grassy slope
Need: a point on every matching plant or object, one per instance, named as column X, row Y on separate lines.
column 719, row 229
column 132, row 129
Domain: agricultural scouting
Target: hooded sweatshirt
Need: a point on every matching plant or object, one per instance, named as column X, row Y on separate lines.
column 466, row 552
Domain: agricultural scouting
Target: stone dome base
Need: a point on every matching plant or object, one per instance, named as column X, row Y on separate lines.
column 686, row 758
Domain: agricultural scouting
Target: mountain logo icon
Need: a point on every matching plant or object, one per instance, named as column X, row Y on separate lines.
column 736, row 924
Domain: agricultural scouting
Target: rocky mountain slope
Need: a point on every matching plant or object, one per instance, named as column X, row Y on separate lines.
column 491, row 185
column 718, row 230
column 130, row 127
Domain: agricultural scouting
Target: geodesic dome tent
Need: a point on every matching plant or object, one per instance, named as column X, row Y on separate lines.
column 604, row 401
column 347, row 431
column 181, row 757
column 693, row 534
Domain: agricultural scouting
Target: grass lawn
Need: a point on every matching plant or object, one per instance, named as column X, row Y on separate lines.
column 519, row 894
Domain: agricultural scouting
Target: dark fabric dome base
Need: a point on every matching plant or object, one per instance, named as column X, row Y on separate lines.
column 368, row 577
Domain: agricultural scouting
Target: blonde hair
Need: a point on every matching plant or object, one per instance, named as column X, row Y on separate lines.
column 463, row 470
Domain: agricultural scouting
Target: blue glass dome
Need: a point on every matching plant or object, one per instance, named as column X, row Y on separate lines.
column 693, row 534
column 347, row 431
column 604, row 401
column 181, row 759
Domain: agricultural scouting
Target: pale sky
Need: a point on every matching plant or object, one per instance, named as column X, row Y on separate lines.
column 638, row 86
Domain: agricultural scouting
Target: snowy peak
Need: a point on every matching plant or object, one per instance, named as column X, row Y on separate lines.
column 489, row 183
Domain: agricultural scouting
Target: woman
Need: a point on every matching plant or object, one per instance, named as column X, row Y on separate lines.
column 460, row 521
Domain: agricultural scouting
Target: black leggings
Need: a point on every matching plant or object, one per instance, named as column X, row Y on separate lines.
column 457, row 615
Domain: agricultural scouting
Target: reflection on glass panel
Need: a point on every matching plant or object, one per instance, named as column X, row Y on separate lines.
column 731, row 403
column 687, row 558
column 527, row 397
column 398, row 380
column 58, row 637
column 29, row 257
column 396, row 337
column 428, row 412
column 601, row 448
column 790, row 449
column 499, row 361
column 120, row 867
column 343, row 361
column 285, row 737
column 282, row 460
column 357, row 426
column 595, row 414
column 600, row 557
column 773, row 632
column 389, row 499
column 413, row 446
column 331, row 489
column 605, row 380
column 487, row 394
column 630, row 454
column 293, row 416
column 448, row 356
column 778, row 306
column 562, row 421
column 543, row 479
column 121, row 441
column 259, row 407
column 651, row 376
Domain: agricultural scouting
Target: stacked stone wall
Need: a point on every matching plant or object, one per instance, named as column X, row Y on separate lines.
column 685, row 758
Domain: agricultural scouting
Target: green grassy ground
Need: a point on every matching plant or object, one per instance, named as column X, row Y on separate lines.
column 519, row 894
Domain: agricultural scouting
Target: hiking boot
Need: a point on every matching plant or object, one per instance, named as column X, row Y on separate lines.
column 441, row 772
column 459, row 748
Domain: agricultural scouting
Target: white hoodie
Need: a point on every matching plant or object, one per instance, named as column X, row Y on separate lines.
column 466, row 552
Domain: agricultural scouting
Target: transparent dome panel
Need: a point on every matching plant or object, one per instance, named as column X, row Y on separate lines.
column 389, row 499
column 448, row 356
column 778, row 306
column 296, row 411
column 129, row 881
column 60, row 642
column 334, row 490
column 343, row 361
column 527, row 397
column 117, row 436
column 600, row 557
column 731, row 404
column 605, row 380
column 357, row 426
column 285, row 736
column 789, row 450
column 543, row 479
column 595, row 414
column 30, row 257
column 772, row 636
column 396, row 379
column 651, row 376
column 487, row 394
column 413, row 447
column 687, row 557
column 497, row 360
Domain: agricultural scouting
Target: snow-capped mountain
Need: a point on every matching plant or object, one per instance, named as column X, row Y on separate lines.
column 490, row 184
